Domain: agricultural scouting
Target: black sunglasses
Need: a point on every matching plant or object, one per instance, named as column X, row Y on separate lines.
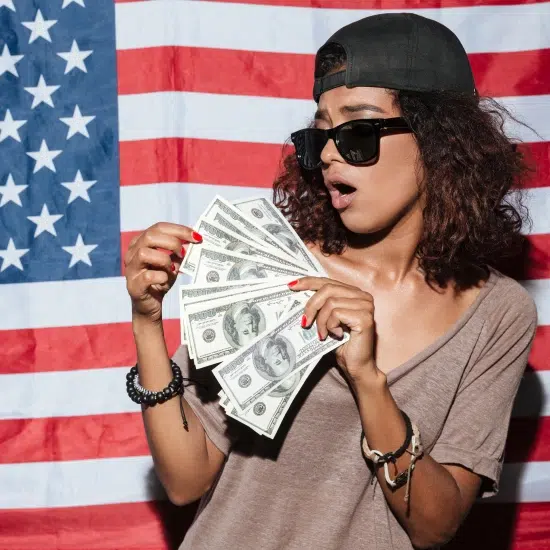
column 358, row 141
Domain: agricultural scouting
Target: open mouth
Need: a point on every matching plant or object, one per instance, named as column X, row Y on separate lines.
column 343, row 188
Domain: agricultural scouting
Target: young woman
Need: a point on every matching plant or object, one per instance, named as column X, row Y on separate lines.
column 399, row 190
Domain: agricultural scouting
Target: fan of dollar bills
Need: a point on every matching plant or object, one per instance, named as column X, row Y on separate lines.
column 239, row 314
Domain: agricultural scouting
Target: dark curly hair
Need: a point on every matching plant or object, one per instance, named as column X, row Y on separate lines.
column 470, row 220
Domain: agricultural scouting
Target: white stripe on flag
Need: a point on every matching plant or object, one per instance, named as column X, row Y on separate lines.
column 266, row 119
column 132, row 479
column 103, row 391
column 93, row 391
column 79, row 483
column 143, row 205
column 73, row 303
column 524, row 482
column 235, row 26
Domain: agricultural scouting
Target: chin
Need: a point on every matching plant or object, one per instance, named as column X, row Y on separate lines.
column 363, row 223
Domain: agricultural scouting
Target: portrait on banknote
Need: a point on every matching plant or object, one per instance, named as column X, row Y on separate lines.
column 286, row 387
column 240, row 247
column 242, row 323
column 246, row 270
column 283, row 235
column 274, row 357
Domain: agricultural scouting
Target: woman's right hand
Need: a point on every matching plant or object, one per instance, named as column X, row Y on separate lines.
column 150, row 270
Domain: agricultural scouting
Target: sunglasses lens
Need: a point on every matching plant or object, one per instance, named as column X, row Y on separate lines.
column 357, row 142
column 309, row 144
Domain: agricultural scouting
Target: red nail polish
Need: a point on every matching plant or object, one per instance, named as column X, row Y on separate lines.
column 197, row 237
column 182, row 252
column 292, row 283
column 173, row 267
column 304, row 321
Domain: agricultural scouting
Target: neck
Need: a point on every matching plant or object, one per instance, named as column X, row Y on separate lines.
column 388, row 255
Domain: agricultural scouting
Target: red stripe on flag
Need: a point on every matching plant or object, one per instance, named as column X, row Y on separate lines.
column 74, row 348
column 73, row 438
column 130, row 526
column 119, row 435
column 199, row 161
column 491, row 526
column 378, row 4
column 241, row 164
column 244, row 72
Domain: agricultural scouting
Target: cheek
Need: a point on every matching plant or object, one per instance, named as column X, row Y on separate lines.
column 388, row 186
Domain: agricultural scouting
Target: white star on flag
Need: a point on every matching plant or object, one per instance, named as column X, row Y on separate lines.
column 7, row 4
column 39, row 27
column 8, row 61
column 77, row 123
column 12, row 256
column 44, row 157
column 9, row 127
column 10, row 192
column 75, row 58
column 45, row 221
column 78, row 188
column 42, row 93
column 80, row 251
column 67, row 2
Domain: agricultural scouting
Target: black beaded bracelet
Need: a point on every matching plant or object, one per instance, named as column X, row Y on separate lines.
column 138, row 394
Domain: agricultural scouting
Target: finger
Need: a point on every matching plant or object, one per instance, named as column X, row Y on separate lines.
column 144, row 258
column 154, row 239
column 357, row 321
column 330, row 290
column 142, row 282
column 182, row 232
column 311, row 283
column 338, row 302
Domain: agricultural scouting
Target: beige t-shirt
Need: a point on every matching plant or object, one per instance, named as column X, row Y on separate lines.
column 310, row 487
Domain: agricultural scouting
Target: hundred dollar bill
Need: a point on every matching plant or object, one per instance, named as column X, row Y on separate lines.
column 225, row 239
column 264, row 213
column 267, row 414
column 216, row 265
column 256, row 369
column 190, row 292
column 233, row 214
column 218, row 329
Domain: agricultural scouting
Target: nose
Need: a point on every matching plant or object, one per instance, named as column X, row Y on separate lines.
column 330, row 153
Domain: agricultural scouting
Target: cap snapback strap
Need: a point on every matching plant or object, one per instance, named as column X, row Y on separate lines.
column 328, row 82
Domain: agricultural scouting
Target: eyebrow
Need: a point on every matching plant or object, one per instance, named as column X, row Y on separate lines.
column 321, row 114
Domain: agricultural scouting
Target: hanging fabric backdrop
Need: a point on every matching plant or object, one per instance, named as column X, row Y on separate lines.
column 114, row 116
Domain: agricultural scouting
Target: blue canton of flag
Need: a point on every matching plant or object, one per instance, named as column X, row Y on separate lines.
column 59, row 166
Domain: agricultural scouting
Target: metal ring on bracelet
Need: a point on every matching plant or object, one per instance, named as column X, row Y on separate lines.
column 139, row 394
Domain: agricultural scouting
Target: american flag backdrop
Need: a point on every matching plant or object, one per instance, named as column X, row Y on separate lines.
column 114, row 116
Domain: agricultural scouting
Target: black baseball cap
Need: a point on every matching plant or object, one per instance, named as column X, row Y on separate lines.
column 401, row 51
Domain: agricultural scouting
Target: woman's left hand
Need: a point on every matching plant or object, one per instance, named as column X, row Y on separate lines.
column 336, row 305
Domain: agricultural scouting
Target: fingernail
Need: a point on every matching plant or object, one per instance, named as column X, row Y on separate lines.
column 304, row 321
column 197, row 237
column 319, row 335
column 182, row 253
column 173, row 267
column 292, row 283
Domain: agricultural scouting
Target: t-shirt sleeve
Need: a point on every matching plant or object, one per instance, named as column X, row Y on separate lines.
column 475, row 431
column 203, row 398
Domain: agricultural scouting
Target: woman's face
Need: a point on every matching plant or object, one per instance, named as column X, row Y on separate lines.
column 386, row 191
column 277, row 360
